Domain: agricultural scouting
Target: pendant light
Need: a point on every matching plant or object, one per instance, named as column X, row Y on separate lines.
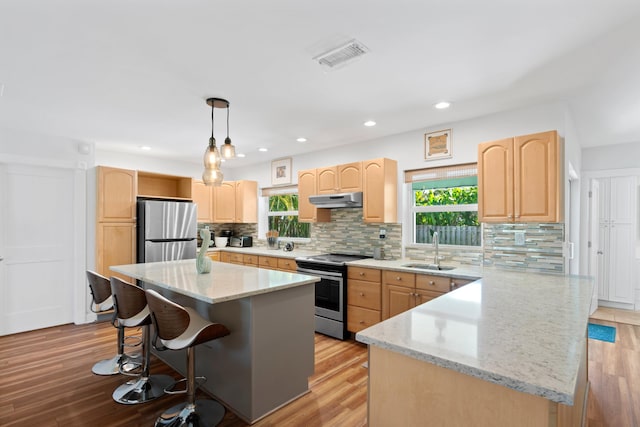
column 228, row 151
column 212, row 174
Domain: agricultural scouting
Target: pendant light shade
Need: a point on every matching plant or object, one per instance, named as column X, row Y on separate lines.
column 212, row 174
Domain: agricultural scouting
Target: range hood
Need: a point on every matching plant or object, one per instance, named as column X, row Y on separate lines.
column 342, row 200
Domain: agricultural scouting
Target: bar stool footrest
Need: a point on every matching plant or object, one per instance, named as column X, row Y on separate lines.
column 203, row 413
column 141, row 390
column 171, row 387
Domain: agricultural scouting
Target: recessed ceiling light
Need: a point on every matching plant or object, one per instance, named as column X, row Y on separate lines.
column 263, row 149
column 369, row 123
column 301, row 139
column 442, row 105
column 145, row 147
column 240, row 155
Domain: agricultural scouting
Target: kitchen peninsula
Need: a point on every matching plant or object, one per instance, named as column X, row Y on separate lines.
column 267, row 359
column 509, row 349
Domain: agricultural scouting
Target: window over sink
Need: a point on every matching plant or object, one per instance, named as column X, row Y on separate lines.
column 445, row 200
column 282, row 215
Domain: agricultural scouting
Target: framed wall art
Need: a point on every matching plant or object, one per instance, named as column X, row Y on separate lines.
column 281, row 171
column 437, row 145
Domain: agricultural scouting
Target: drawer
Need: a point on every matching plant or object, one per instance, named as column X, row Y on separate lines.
column 215, row 256
column 457, row 283
column 364, row 294
column 433, row 283
column 359, row 318
column 268, row 262
column 236, row 258
column 287, row 264
column 399, row 278
column 361, row 273
column 250, row 260
column 225, row 256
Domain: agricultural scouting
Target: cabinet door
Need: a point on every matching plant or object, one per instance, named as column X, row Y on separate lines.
column 350, row 177
column 364, row 294
column 359, row 318
column 224, row 202
column 380, row 187
column 622, row 208
column 327, row 180
column 246, row 210
column 495, row 181
column 286, row 264
column 426, row 296
column 536, row 171
column 268, row 262
column 116, row 194
column 307, row 187
column 115, row 245
column 398, row 300
column 621, row 265
column 203, row 197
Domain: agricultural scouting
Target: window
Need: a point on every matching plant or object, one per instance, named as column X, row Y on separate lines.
column 445, row 200
column 282, row 216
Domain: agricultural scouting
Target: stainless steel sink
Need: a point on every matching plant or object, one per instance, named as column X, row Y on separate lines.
column 429, row 267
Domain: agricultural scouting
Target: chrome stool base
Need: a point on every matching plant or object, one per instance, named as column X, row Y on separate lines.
column 142, row 389
column 120, row 363
column 205, row 413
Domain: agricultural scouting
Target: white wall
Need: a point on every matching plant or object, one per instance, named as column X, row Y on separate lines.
column 620, row 156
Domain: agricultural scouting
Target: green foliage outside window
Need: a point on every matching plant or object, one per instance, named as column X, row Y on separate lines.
column 447, row 196
column 287, row 223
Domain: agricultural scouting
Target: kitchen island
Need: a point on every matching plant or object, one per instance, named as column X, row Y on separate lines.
column 267, row 359
column 509, row 349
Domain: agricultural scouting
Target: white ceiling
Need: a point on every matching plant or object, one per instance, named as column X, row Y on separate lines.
column 124, row 74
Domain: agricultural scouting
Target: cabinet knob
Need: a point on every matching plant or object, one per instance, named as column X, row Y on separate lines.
column 453, row 285
column 361, row 273
column 361, row 322
column 431, row 282
column 361, row 294
column 509, row 216
column 398, row 278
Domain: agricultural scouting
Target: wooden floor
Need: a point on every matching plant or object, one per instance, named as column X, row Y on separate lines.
column 46, row 380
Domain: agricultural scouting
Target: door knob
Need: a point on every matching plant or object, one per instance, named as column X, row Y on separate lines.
column 599, row 252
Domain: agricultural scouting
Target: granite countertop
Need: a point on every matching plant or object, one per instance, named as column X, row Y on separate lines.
column 257, row 250
column 225, row 282
column 460, row 271
column 524, row 331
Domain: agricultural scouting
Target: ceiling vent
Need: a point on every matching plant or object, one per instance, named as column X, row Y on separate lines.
column 342, row 55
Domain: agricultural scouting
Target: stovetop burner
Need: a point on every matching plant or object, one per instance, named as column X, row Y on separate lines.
column 334, row 259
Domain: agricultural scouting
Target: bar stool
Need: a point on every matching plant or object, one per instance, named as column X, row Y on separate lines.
column 132, row 311
column 177, row 328
column 102, row 301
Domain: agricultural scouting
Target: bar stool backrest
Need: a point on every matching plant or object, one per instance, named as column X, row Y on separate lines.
column 129, row 300
column 99, row 286
column 170, row 319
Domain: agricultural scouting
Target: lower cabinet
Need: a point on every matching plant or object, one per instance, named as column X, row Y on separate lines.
column 287, row 264
column 115, row 245
column 215, row 256
column 403, row 291
column 363, row 298
column 272, row 263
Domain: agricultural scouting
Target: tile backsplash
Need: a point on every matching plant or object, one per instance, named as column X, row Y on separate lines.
column 542, row 251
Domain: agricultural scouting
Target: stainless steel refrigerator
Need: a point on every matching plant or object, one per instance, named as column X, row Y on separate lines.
column 166, row 230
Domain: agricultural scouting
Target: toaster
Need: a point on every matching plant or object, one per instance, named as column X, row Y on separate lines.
column 241, row 242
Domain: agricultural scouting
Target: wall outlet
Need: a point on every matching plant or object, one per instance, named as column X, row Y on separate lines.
column 383, row 233
column 519, row 238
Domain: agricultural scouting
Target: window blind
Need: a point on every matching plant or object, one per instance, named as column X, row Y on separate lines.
column 276, row 191
column 441, row 173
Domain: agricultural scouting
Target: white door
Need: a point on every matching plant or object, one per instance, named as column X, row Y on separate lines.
column 622, row 239
column 36, row 247
column 595, row 253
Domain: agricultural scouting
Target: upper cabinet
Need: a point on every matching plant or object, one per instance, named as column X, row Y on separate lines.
column 380, row 189
column 156, row 185
column 307, row 187
column 377, row 179
column 116, row 194
column 339, row 179
column 235, row 202
column 518, row 179
column 203, row 197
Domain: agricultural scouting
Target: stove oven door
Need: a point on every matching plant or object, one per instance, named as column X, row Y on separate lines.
column 330, row 294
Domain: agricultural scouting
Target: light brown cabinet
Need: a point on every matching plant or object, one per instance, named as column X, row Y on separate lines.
column 287, row 264
column 402, row 291
column 380, row 190
column 307, row 187
column 156, row 185
column 116, row 194
column 202, row 196
column 116, row 191
column 339, row 179
column 235, row 202
column 215, row 256
column 518, row 179
column 272, row 263
column 364, row 298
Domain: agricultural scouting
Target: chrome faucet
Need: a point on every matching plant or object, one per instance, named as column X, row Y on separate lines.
column 436, row 257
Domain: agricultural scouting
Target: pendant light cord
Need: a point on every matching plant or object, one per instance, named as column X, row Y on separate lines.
column 227, row 121
column 213, row 140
